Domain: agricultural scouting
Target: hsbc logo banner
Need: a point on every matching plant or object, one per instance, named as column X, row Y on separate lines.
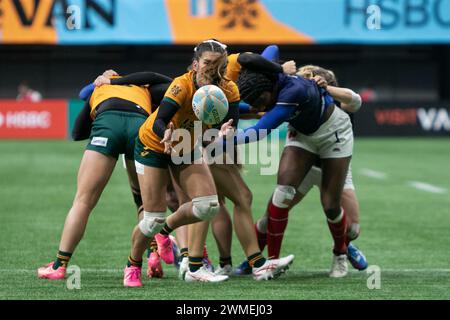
column 423, row 119
column 28, row 120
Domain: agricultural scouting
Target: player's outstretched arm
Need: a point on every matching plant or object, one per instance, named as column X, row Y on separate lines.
column 350, row 100
column 157, row 92
column 256, row 62
column 142, row 78
column 269, row 121
column 251, row 116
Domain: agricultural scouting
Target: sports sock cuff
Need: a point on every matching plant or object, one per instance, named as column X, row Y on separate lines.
column 64, row 254
column 153, row 245
column 261, row 224
column 338, row 218
column 132, row 262
column 184, row 252
column 256, row 260
column 223, row 261
column 166, row 230
column 195, row 263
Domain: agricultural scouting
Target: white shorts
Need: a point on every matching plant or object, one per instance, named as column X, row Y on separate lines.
column 314, row 178
column 333, row 139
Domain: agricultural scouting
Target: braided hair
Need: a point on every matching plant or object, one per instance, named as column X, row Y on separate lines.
column 252, row 84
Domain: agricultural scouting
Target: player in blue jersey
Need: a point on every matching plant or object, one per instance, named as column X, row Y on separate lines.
column 317, row 130
column 350, row 102
column 227, row 176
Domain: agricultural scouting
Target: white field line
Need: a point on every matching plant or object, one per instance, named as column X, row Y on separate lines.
column 92, row 270
column 426, row 187
column 414, row 184
column 373, row 174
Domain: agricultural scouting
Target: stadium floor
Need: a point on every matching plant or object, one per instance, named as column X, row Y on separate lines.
column 403, row 186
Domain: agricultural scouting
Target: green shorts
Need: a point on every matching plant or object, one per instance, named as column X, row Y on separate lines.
column 150, row 158
column 155, row 159
column 115, row 132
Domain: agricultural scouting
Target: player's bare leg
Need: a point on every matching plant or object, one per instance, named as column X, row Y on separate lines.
column 153, row 184
column 196, row 181
column 93, row 175
column 294, row 165
column 261, row 226
column 182, row 231
column 230, row 183
column 164, row 243
column 222, row 228
column 350, row 204
column 181, row 198
column 154, row 266
column 334, row 172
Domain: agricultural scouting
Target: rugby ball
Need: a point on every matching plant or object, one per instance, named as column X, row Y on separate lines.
column 210, row 104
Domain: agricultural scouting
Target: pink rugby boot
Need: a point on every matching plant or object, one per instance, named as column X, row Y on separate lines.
column 47, row 272
column 165, row 248
column 132, row 276
column 154, row 267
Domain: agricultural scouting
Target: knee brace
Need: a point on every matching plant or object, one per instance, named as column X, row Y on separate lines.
column 283, row 195
column 152, row 223
column 353, row 231
column 205, row 208
column 262, row 223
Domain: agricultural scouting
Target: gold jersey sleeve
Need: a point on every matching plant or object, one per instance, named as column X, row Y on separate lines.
column 233, row 67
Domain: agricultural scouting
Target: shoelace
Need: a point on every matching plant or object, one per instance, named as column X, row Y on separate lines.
column 134, row 274
column 166, row 244
column 341, row 264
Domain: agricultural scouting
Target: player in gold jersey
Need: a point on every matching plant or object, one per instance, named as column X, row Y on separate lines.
column 153, row 159
column 111, row 117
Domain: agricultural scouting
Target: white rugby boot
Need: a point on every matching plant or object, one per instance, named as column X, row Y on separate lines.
column 339, row 267
column 272, row 269
column 226, row 270
column 184, row 267
column 203, row 275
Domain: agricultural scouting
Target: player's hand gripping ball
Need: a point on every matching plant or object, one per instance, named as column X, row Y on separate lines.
column 210, row 104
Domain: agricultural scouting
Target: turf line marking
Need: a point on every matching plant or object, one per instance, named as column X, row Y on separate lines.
column 426, row 187
column 373, row 174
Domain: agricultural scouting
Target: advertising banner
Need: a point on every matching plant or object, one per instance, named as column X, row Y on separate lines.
column 54, row 119
column 406, row 119
column 28, row 120
column 73, row 22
